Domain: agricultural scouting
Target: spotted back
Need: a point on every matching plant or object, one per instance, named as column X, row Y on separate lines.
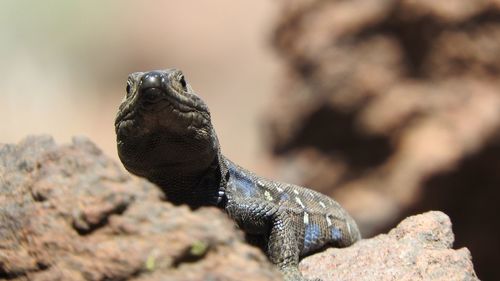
column 318, row 220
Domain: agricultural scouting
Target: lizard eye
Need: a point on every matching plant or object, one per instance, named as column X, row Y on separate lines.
column 128, row 88
column 183, row 82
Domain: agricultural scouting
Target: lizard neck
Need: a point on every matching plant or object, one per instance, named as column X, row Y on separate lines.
column 205, row 189
column 188, row 171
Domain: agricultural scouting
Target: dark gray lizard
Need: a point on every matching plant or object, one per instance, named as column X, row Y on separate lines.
column 164, row 133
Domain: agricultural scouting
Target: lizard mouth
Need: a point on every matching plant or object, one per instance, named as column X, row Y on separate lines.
column 156, row 109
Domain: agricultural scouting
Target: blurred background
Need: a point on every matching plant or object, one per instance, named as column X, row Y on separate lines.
column 390, row 106
column 64, row 65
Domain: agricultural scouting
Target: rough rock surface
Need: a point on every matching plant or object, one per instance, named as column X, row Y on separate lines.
column 392, row 107
column 419, row 248
column 70, row 213
column 67, row 212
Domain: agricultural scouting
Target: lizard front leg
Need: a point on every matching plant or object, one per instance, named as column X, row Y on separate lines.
column 283, row 246
column 259, row 217
column 253, row 216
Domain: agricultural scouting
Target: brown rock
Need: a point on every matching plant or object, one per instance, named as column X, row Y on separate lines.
column 70, row 213
column 419, row 248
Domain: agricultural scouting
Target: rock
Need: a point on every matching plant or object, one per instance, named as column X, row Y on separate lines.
column 391, row 107
column 419, row 248
column 68, row 212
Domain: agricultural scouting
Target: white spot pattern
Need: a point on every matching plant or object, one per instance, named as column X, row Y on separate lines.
column 328, row 221
column 306, row 218
column 297, row 199
column 296, row 192
column 268, row 196
column 277, row 187
column 322, row 204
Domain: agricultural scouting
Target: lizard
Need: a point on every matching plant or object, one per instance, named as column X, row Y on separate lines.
column 164, row 133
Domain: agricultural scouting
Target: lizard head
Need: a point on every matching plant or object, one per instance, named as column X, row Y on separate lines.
column 162, row 123
column 161, row 100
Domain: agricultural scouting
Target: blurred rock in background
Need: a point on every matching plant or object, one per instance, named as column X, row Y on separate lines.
column 393, row 108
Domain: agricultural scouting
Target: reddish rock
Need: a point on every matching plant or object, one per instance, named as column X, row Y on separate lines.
column 419, row 248
column 70, row 213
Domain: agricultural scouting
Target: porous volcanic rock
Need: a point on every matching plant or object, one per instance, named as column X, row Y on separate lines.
column 419, row 248
column 392, row 108
column 68, row 212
